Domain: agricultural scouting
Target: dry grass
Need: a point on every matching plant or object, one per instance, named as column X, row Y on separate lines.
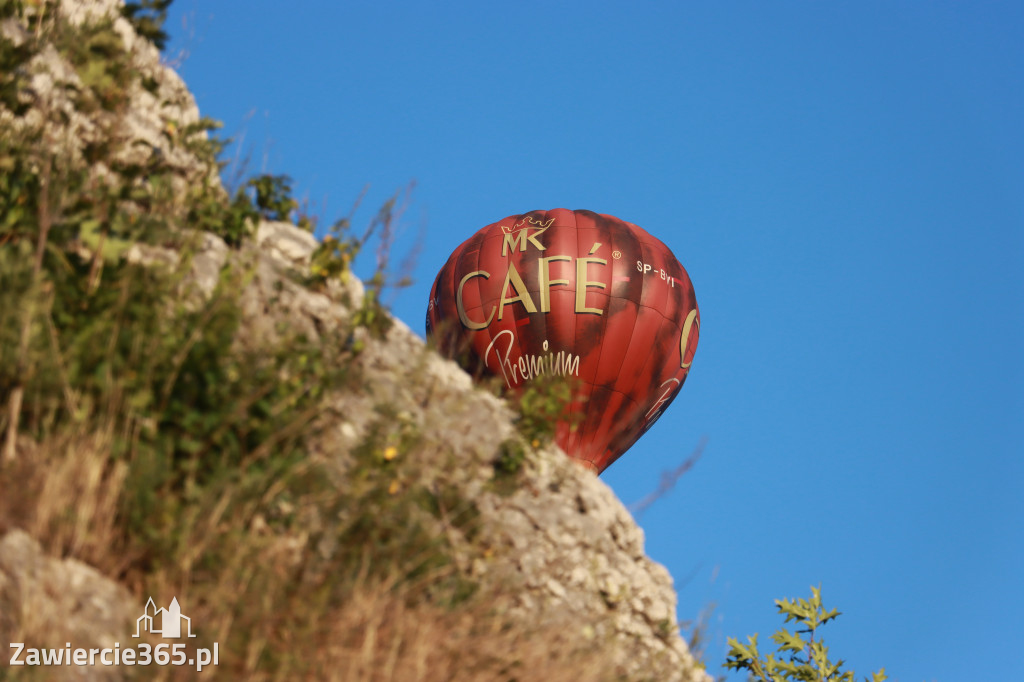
column 379, row 637
column 252, row 590
column 382, row 634
column 77, row 503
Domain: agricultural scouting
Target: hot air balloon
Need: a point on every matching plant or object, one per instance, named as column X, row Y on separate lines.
column 579, row 294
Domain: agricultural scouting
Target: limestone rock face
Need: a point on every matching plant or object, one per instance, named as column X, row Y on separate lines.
column 153, row 120
column 46, row 602
column 561, row 545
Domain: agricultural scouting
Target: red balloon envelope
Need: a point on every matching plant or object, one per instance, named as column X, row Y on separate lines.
column 580, row 294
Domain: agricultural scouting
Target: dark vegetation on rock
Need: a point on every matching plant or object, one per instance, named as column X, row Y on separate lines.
column 200, row 401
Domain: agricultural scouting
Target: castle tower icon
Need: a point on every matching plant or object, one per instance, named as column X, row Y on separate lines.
column 170, row 620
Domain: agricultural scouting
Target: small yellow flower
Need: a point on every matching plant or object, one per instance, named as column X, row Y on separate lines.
column 535, row 443
column 390, row 452
column 393, row 488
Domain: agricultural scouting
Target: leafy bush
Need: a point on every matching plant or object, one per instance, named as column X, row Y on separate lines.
column 540, row 405
column 148, row 17
column 273, row 196
column 800, row 656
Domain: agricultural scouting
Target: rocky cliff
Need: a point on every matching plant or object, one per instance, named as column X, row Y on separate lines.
column 394, row 524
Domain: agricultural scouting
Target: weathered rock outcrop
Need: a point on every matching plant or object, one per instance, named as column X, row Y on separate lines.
column 150, row 122
column 560, row 543
column 555, row 547
column 47, row 601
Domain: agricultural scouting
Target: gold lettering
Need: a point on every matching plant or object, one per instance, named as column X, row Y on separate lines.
column 522, row 295
column 520, row 237
column 513, row 239
column 545, row 281
column 582, row 283
column 460, row 306
column 684, row 338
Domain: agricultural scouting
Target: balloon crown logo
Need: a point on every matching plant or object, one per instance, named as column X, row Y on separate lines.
column 528, row 222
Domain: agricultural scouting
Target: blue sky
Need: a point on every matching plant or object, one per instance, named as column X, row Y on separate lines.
column 844, row 182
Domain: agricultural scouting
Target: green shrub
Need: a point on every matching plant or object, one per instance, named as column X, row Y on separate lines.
column 273, row 196
column 148, row 17
column 800, row 656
